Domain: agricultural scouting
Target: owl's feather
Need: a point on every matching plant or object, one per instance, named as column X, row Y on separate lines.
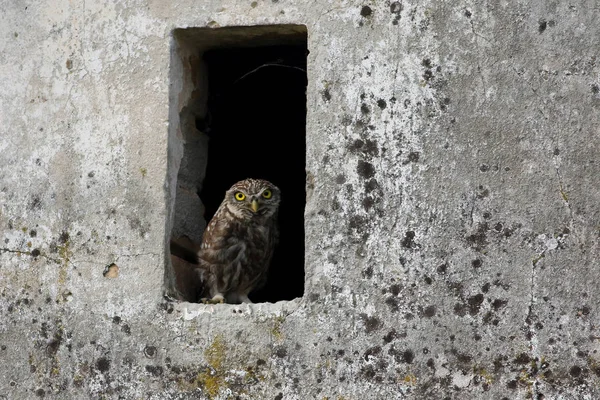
column 238, row 243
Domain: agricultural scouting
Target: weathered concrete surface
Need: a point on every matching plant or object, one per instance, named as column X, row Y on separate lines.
column 451, row 223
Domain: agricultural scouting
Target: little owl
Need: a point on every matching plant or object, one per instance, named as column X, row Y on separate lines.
column 238, row 242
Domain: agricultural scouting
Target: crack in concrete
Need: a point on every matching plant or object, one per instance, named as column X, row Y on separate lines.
column 28, row 253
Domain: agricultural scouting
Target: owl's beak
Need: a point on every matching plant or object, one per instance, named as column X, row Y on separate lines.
column 254, row 205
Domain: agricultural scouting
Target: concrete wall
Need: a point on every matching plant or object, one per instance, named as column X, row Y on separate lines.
column 452, row 229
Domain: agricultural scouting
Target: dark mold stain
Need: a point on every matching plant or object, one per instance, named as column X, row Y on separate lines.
column 150, row 351
column 476, row 263
column 475, row 303
column 103, row 364
column 35, row 204
column 522, row 359
column 429, row 312
column 498, row 304
column 542, row 24
column 372, row 351
column 365, row 169
column 368, row 272
column 381, row 104
column 393, row 303
column 364, row 109
column 468, row 14
column 366, row 147
column 575, row 371
column 413, row 156
column 280, row 351
column 340, row 179
column 408, row 240
column 63, row 238
column 441, row 269
column 484, row 168
column 155, row 370
column 326, row 95
column 478, row 240
column 372, row 324
column 390, row 336
column 595, row 89
column 366, row 11
column 35, row 252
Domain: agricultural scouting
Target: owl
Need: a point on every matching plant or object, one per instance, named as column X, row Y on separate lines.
column 238, row 242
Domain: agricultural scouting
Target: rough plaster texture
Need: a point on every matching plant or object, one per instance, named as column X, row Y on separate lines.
column 451, row 219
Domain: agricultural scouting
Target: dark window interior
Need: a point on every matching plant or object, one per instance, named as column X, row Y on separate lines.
column 256, row 124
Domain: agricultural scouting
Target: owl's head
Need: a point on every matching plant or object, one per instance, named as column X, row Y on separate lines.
column 253, row 198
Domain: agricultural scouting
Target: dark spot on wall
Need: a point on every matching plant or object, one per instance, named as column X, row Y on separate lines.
column 368, row 203
column 150, row 351
column 427, row 75
column 35, row 252
column 371, row 351
column 395, row 289
column 484, row 168
column 522, row 359
column 460, row 309
column 63, row 238
column 125, row 328
column 393, row 303
column 408, row 356
column 468, row 14
column 371, row 185
column 372, row 324
column 556, row 152
column 482, row 193
column 512, row 384
column 413, row 156
column 441, row 269
column 478, row 240
column 368, row 272
column 431, row 363
column 575, row 371
column 40, row 393
column 116, row 320
column 585, row 310
column 326, row 95
column 155, row 370
column 498, row 304
column 364, row 109
column 340, row 179
column 279, row 396
column 429, row 311
column 476, row 263
column 408, row 240
column 365, row 169
column 367, row 147
column 103, row 364
column 595, row 88
column 366, row 11
column 390, row 336
column 428, row 280
column 35, row 203
column 498, row 227
column 542, row 24
column 280, row 351
column 475, row 303
column 32, row 233
column 396, row 7
column 381, row 104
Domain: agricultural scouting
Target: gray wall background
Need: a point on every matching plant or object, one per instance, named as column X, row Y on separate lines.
column 452, row 215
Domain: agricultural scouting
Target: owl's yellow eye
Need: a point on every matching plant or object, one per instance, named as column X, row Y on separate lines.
column 239, row 196
column 267, row 194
